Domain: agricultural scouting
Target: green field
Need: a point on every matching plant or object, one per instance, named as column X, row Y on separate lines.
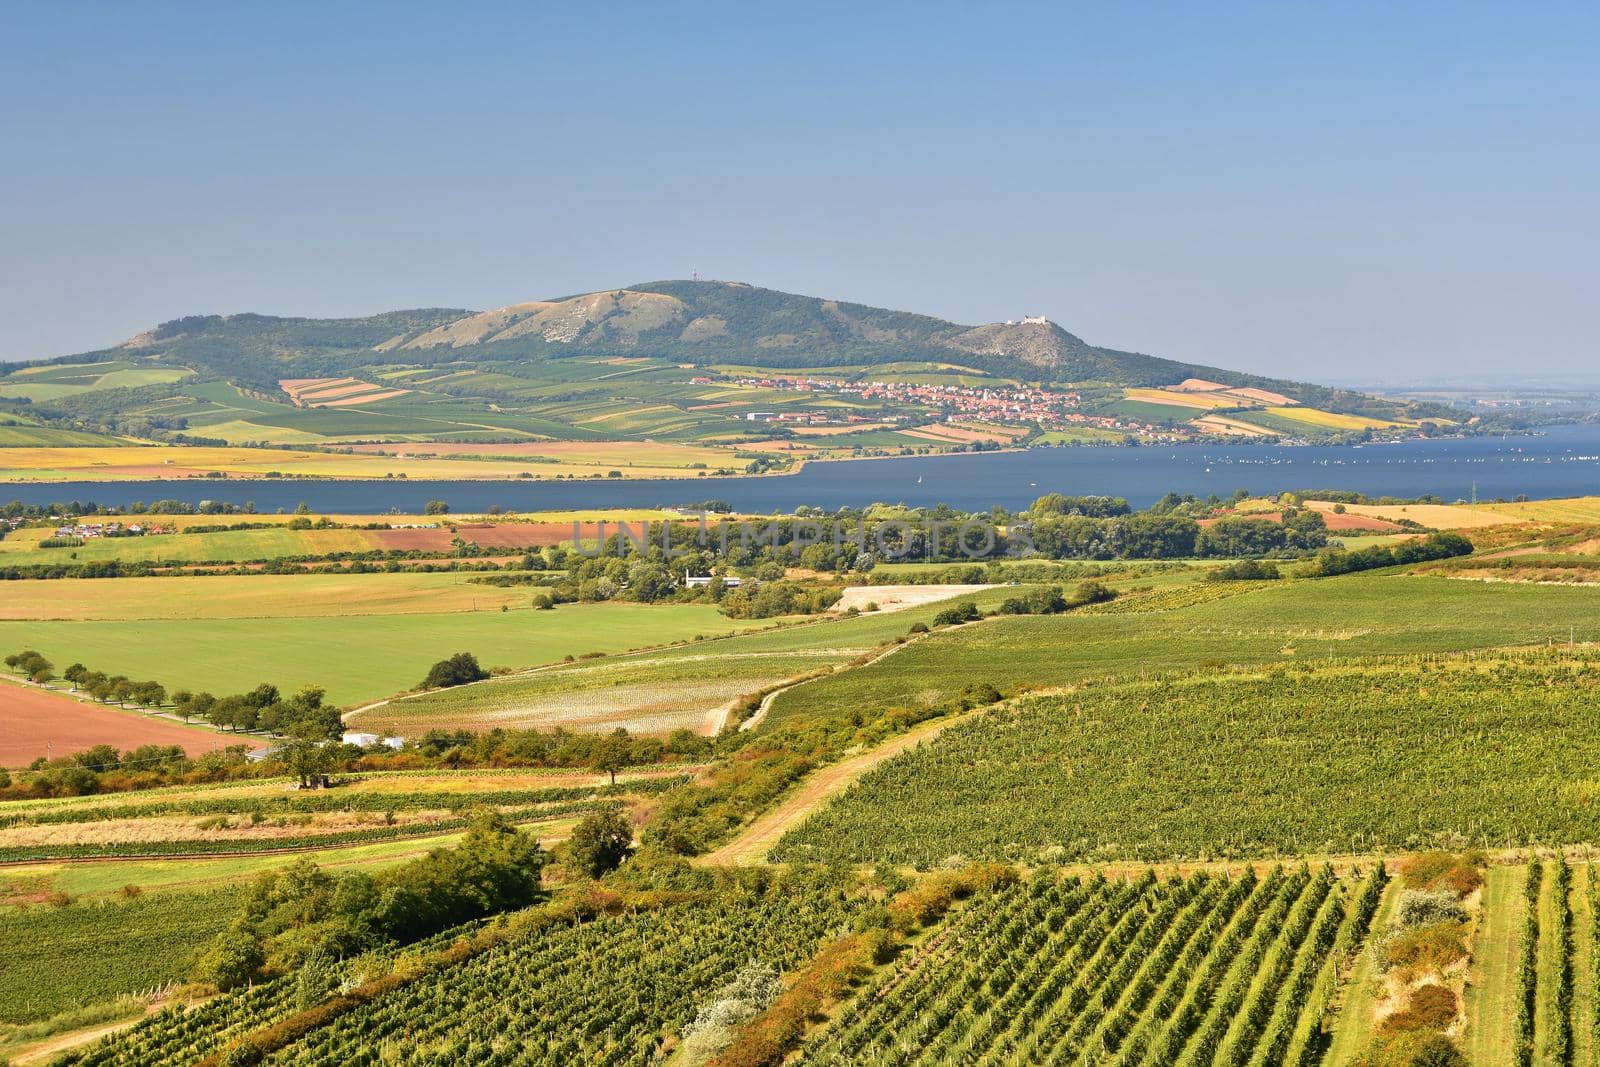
column 224, row 546
column 358, row 657
column 1490, row 749
column 62, row 958
column 55, row 381
column 1289, row 621
column 255, row 596
column 661, row 690
column 18, row 432
column 537, row 990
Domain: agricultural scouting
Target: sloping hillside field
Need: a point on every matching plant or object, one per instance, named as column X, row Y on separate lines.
column 1490, row 749
column 1249, row 782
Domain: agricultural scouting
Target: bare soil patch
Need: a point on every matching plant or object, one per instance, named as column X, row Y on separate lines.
column 34, row 722
column 899, row 597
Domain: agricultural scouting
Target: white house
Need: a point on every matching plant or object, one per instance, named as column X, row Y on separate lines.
column 695, row 581
column 368, row 740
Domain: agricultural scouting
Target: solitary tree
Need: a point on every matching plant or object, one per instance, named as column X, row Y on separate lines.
column 600, row 843
column 308, row 755
column 459, row 669
column 612, row 752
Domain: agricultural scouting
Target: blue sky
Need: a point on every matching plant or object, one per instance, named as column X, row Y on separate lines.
column 1322, row 191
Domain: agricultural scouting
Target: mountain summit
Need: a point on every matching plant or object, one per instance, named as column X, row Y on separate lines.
column 685, row 323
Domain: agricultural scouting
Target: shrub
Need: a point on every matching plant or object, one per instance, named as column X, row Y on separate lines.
column 459, row 669
column 1424, row 949
column 956, row 614
column 1245, row 570
column 1411, row 1048
column 1444, row 871
column 1424, row 907
column 751, row 992
column 1430, row 1007
column 599, row 843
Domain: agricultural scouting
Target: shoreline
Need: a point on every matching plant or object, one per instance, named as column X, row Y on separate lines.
column 799, row 464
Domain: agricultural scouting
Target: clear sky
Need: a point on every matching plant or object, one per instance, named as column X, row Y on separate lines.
column 1313, row 190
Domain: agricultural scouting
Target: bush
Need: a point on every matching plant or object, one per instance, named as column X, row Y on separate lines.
column 751, row 992
column 1424, row 949
column 1246, row 570
column 1424, row 907
column 1410, row 1048
column 1430, row 1007
column 1444, row 871
column 956, row 614
column 459, row 669
column 599, row 843
column 1093, row 592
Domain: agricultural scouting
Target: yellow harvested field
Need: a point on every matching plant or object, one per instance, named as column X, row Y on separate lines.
column 580, row 459
column 365, row 398
column 1172, row 398
column 1223, row 424
column 191, row 828
column 241, row 431
column 1332, row 421
column 1437, row 516
column 965, row 433
column 1197, row 385
column 899, row 597
column 1579, row 510
column 253, row 597
column 610, row 453
column 345, row 387
column 180, row 523
column 335, row 392
column 1261, row 395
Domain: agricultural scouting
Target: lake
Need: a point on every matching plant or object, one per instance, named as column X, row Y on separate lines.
column 1564, row 461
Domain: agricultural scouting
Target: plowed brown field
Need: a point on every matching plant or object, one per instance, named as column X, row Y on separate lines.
column 34, row 723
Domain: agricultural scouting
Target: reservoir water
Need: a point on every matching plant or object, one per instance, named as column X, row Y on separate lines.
column 1562, row 461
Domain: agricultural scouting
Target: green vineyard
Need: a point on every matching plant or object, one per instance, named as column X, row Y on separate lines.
column 1492, row 750
column 612, row 991
column 1067, row 970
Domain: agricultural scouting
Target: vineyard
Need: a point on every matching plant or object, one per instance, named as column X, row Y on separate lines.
column 1201, row 625
column 1244, row 823
column 1491, row 749
column 234, row 822
column 115, row 948
column 541, row 999
column 1541, row 1008
column 1057, row 970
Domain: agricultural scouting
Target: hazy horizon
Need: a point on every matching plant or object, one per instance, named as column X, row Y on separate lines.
column 1363, row 193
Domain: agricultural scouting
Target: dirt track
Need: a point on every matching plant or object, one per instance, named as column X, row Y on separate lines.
column 754, row 840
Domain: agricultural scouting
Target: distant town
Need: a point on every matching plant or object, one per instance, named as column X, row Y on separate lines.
column 1015, row 405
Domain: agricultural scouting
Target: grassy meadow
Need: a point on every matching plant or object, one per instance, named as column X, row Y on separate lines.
column 1206, row 625
column 660, row 690
column 357, row 657
column 263, row 596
